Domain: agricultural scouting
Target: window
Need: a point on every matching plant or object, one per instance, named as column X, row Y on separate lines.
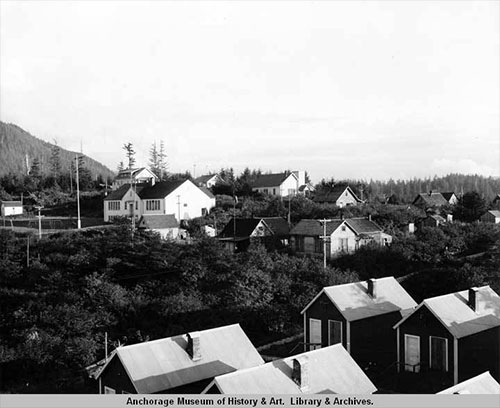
column 153, row 205
column 438, row 353
column 137, row 205
column 344, row 244
column 113, row 205
column 314, row 334
column 412, row 353
column 274, row 191
column 125, row 205
column 334, row 332
column 343, row 227
column 265, row 190
column 108, row 390
column 291, row 191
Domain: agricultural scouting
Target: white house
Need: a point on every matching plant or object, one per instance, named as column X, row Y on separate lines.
column 10, row 208
column 208, row 180
column 281, row 184
column 164, row 224
column 136, row 176
column 492, row 216
column 340, row 196
column 343, row 236
column 123, row 202
column 184, row 199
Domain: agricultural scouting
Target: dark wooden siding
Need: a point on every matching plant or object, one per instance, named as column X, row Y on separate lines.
column 323, row 309
column 478, row 353
column 373, row 340
column 115, row 376
column 424, row 324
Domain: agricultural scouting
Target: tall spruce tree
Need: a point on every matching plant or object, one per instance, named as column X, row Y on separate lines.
column 129, row 153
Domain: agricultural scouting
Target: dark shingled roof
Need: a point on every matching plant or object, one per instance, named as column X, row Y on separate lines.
column 160, row 190
column 314, row 227
column 244, row 227
column 447, row 196
column 204, row 179
column 432, row 199
column 278, row 225
column 270, row 180
column 119, row 193
column 333, row 194
column 158, row 221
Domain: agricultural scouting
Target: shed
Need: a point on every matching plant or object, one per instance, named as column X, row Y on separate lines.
column 11, row 208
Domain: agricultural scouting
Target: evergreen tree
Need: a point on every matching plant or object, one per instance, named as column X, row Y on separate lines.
column 162, row 161
column 55, row 160
column 130, row 153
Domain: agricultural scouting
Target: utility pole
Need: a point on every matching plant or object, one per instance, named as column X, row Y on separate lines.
column 39, row 208
column 325, row 238
column 106, row 346
column 28, row 253
column 79, row 222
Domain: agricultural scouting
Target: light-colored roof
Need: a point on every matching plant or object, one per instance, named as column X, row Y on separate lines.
column 163, row 364
column 205, row 178
column 495, row 213
column 158, row 221
column 331, row 370
column 354, row 302
column 315, row 228
column 12, row 203
column 454, row 312
column 482, row 384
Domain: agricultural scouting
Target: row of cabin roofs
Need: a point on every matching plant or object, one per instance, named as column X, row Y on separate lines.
column 455, row 336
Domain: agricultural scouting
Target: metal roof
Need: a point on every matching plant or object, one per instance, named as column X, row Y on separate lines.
column 454, row 312
column 481, row 384
column 330, row 370
column 163, row 364
column 354, row 302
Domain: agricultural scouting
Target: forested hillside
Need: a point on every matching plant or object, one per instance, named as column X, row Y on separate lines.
column 15, row 144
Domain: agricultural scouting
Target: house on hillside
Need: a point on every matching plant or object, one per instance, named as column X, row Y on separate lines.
column 330, row 370
column 491, row 216
column 481, row 384
column 11, row 208
column 433, row 199
column 341, row 196
column 123, row 202
column 182, row 198
column 207, row 181
column 183, row 364
column 343, row 236
column 237, row 235
column 451, row 338
column 451, row 197
column 134, row 176
column 360, row 316
column 282, row 184
column 164, row 224
column 433, row 220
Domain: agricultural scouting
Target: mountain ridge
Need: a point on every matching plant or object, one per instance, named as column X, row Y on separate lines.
column 16, row 143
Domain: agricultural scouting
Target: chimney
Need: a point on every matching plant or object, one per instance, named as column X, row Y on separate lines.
column 194, row 346
column 372, row 287
column 473, row 299
column 300, row 372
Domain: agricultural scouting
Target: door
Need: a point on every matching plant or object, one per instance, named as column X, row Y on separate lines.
column 438, row 353
column 314, row 334
column 412, row 353
column 344, row 244
column 334, row 332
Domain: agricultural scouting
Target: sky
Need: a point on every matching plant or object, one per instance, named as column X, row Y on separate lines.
column 358, row 89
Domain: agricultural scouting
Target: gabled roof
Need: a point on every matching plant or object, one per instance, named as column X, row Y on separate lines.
column 497, row 198
column 127, row 173
column 244, row 227
column 205, row 178
column 436, row 217
column 481, row 384
column 431, row 199
column 331, row 370
column 163, row 364
column 454, row 312
column 160, row 190
column 354, row 303
column 207, row 192
column 333, row 194
column 314, row 227
column 278, row 225
column 271, row 180
column 447, row 196
column 158, row 221
column 12, row 203
column 495, row 213
column 121, row 191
